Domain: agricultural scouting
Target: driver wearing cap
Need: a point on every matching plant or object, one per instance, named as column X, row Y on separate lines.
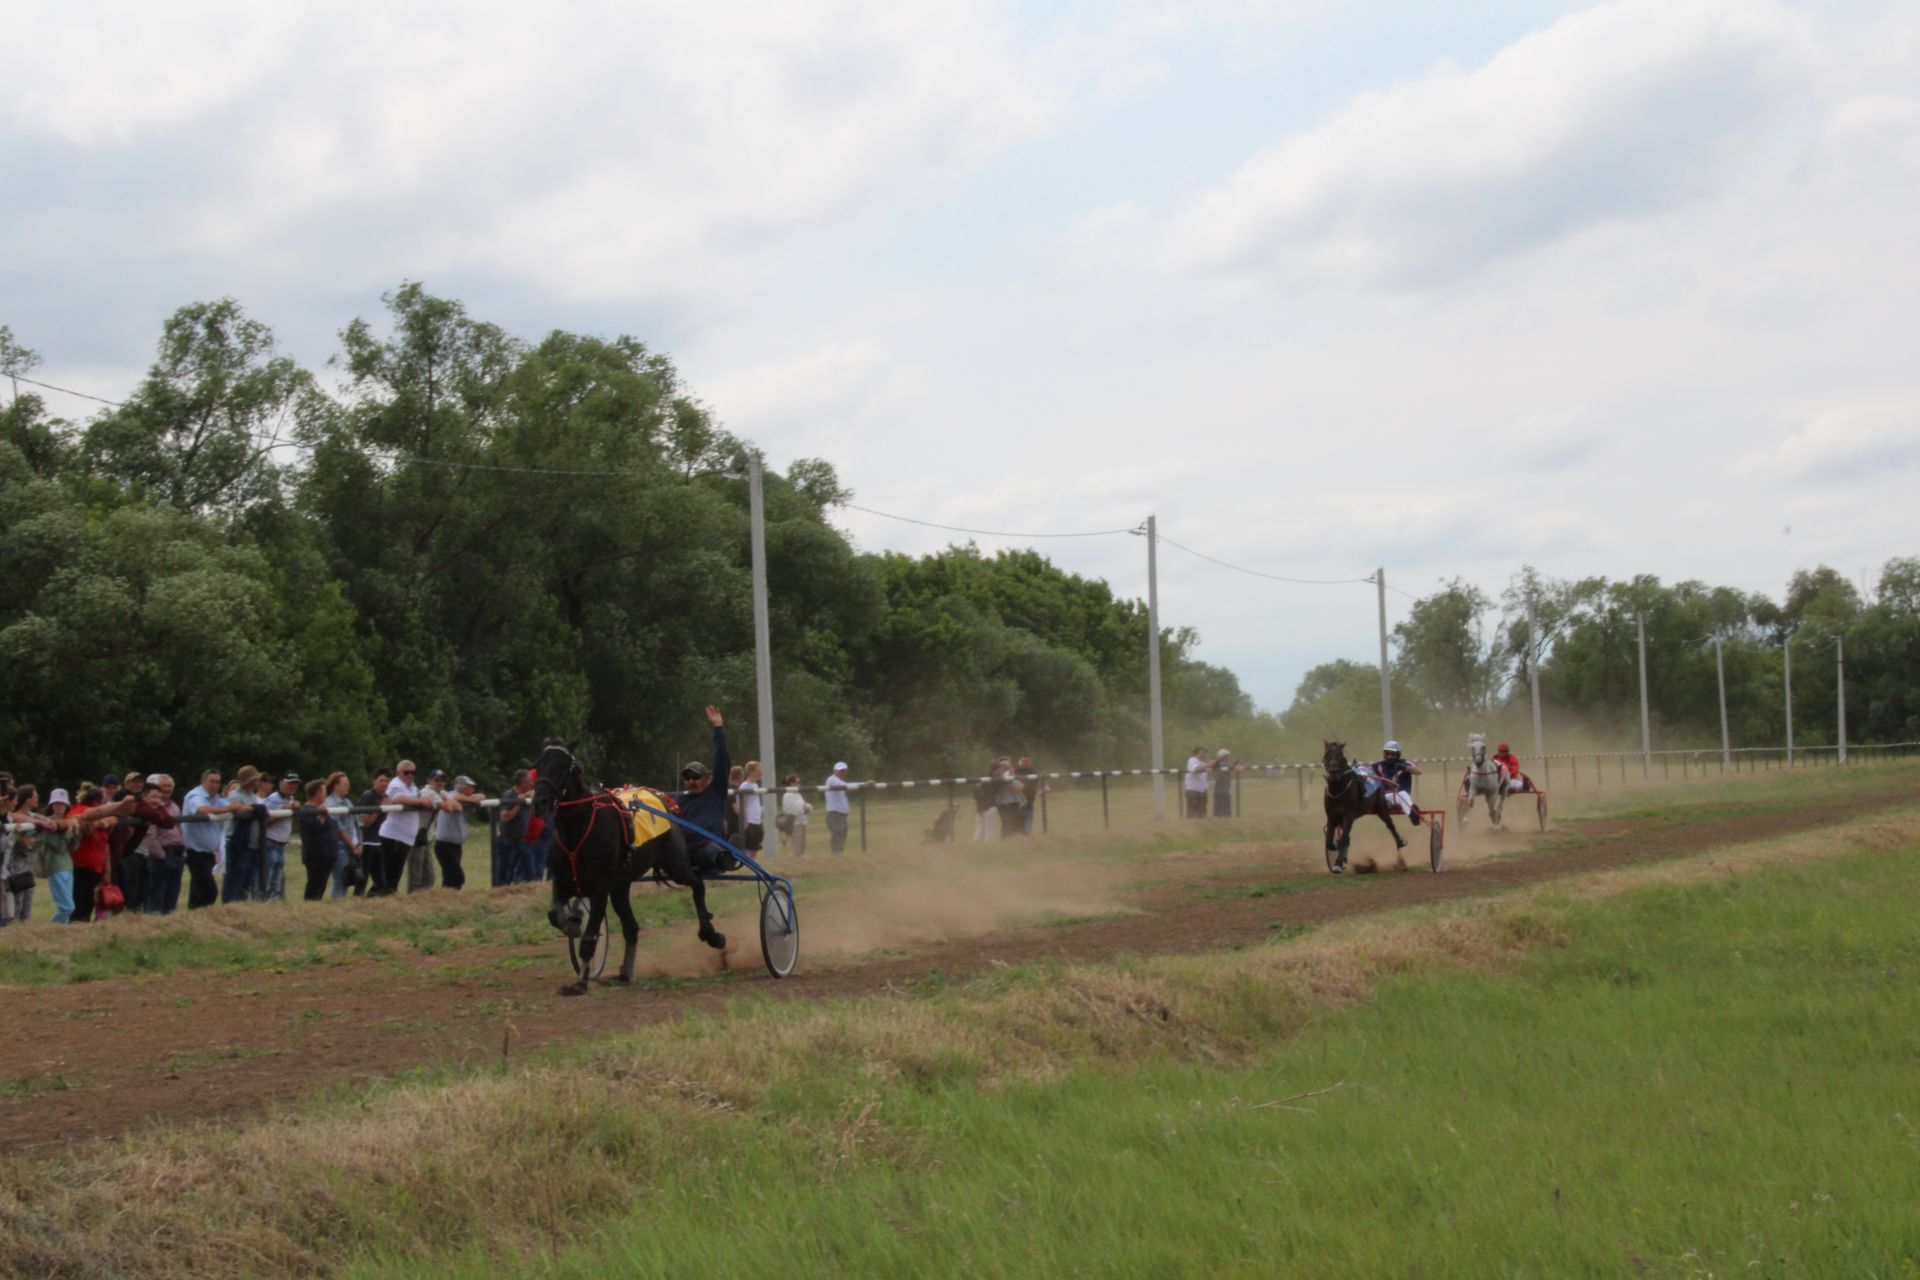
column 705, row 805
column 1516, row 780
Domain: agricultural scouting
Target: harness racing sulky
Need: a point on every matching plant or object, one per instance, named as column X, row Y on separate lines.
column 605, row 840
column 1354, row 792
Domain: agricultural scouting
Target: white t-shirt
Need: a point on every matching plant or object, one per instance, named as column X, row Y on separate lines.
column 404, row 825
column 1196, row 774
column 750, row 804
column 796, row 804
column 836, row 794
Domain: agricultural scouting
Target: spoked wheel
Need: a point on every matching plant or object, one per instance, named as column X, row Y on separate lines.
column 1464, row 808
column 1436, row 845
column 1541, row 804
column 587, row 968
column 779, row 930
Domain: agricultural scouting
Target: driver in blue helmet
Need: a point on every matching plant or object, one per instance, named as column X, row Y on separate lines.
column 703, row 802
column 1393, row 768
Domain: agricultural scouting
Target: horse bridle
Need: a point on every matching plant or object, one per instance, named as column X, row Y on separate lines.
column 597, row 799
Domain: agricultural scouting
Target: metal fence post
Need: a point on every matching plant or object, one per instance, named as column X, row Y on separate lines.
column 1043, row 803
column 1106, row 814
column 951, row 837
column 1665, row 773
column 1300, row 777
column 863, row 819
column 1238, row 801
column 1575, row 760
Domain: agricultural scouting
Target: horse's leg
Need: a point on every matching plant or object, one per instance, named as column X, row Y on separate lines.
column 708, row 934
column 629, row 926
column 1386, row 816
column 563, row 891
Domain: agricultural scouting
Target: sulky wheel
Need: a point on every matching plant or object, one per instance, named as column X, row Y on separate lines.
column 779, row 930
column 1541, row 805
column 1436, row 846
column 587, row 964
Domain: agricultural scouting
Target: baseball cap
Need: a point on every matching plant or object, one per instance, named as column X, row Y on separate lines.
column 694, row 769
column 437, row 773
column 110, row 780
column 839, row 765
column 59, row 796
column 291, row 775
column 1223, row 752
column 463, row 781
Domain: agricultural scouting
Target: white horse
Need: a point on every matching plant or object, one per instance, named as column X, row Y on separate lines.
column 1484, row 778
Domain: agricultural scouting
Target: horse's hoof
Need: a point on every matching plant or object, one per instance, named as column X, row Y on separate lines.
column 621, row 979
column 575, row 988
column 718, row 941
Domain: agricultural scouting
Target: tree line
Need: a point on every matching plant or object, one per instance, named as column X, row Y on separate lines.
column 464, row 542
column 1461, row 663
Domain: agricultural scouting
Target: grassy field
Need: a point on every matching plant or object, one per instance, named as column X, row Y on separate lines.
column 1703, row 1067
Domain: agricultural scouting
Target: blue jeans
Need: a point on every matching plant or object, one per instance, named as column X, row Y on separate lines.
column 163, row 881
column 273, row 873
column 242, row 866
column 530, row 861
column 60, row 887
column 341, row 862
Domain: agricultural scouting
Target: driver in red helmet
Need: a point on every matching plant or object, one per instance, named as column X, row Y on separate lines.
column 1516, row 780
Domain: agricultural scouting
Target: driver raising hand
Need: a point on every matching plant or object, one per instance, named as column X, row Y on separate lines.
column 704, row 804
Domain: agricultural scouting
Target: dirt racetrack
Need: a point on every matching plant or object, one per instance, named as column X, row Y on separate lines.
column 214, row 1046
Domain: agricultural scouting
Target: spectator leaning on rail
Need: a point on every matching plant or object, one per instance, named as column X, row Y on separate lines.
column 164, row 848
column 450, row 832
column 58, row 836
column 202, row 840
column 1007, row 795
column 753, row 831
column 1196, row 783
column 279, row 830
column 93, row 815
column 1031, row 785
column 986, row 818
column 398, row 831
column 704, row 802
column 22, row 866
column 13, row 852
column 513, row 852
column 838, row 810
column 420, row 857
column 1223, row 770
column 372, row 863
column 348, row 866
column 243, row 853
column 319, row 840
column 792, row 818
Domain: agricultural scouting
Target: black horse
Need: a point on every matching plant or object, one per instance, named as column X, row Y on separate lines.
column 591, row 858
column 1348, row 801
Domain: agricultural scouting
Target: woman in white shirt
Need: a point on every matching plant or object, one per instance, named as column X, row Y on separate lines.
column 794, row 806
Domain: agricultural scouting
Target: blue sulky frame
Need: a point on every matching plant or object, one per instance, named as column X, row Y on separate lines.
column 779, row 919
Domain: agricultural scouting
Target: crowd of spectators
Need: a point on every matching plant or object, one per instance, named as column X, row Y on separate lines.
column 131, row 843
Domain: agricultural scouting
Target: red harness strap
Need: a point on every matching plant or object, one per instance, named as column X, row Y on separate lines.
column 598, row 800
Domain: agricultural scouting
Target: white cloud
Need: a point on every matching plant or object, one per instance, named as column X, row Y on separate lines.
column 1844, row 444
column 1633, row 106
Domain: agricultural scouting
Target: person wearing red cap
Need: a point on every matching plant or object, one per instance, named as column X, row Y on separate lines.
column 1516, row 780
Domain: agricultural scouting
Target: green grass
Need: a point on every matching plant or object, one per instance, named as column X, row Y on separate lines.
column 1715, row 1078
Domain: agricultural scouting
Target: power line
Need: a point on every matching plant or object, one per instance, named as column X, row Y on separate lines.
column 985, row 533
column 69, row 391
column 1273, row 577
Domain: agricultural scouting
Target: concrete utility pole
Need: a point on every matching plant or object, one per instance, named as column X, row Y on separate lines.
column 1786, row 651
column 1386, row 675
column 1646, row 724
column 1533, row 675
column 1159, row 729
column 1726, row 742
column 1840, row 658
column 762, row 653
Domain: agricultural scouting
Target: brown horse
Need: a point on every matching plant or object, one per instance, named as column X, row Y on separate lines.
column 1347, row 801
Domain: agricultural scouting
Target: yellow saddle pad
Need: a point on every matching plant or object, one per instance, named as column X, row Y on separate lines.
column 642, row 824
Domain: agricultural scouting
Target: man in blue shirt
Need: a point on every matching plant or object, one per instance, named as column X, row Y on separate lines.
column 203, row 839
column 704, row 801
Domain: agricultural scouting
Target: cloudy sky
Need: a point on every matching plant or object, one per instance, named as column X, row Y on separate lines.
column 1620, row 288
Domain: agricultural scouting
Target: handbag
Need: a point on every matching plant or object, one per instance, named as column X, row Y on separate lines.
column 20, row 882
column 783, row 823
